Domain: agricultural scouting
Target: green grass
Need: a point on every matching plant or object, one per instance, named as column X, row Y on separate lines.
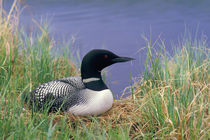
column 177, row 88
column 171, row 99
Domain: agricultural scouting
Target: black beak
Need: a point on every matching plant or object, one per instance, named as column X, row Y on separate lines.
column 122, row 59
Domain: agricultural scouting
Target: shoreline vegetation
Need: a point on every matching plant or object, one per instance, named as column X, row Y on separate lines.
column 170, row 101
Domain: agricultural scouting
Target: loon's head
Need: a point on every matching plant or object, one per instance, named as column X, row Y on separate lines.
column 92, row 65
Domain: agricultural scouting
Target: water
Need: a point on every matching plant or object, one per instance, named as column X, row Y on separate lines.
column 117, row 25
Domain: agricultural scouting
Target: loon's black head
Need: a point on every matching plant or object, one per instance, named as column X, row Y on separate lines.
column 92, row 65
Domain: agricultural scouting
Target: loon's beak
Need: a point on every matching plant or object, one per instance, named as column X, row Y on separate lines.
column 122, row 59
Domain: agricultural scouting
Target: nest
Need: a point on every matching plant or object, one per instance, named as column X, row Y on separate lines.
column 125, row 113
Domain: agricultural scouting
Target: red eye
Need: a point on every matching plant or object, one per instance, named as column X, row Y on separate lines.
column 105, row 56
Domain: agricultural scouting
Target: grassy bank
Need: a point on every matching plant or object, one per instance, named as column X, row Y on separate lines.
column 170, row 101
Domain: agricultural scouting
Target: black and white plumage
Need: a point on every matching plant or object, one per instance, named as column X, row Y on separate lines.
column 57, row 91
column 85, row 95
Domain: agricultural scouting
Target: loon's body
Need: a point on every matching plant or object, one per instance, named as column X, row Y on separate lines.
column 85, row 95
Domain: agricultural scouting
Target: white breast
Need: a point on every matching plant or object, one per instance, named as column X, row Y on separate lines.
column 98, row 102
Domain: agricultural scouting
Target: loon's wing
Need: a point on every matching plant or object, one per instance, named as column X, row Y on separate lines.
column 53, row 94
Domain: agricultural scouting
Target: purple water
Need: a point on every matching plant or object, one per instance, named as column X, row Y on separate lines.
column 117, row 25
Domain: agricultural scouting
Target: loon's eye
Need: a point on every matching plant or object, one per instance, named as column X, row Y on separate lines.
column 105, row 56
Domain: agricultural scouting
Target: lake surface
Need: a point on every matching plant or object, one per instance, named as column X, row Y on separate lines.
column 118, row 25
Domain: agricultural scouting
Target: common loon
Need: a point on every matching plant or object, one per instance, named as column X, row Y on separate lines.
column 85, row 95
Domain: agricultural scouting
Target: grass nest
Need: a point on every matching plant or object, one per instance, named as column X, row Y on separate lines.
column 123, row 113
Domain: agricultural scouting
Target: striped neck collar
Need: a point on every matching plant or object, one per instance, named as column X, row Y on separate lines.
column 94, row 83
